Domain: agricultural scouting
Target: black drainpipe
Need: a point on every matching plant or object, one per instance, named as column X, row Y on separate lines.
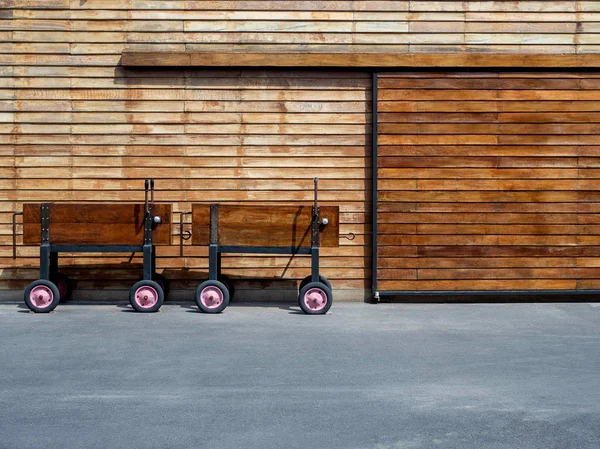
column 374, row 292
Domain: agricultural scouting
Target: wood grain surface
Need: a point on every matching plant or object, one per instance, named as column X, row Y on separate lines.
column 471, row 197
column 269, row 58
column 76, row 125
column 264, row 225
column 96, row 224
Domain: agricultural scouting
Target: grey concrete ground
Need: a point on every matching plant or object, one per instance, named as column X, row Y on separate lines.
column 364, row 376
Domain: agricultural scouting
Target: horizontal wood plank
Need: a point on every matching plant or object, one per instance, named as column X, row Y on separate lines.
column 486, row 182
column 379, row 60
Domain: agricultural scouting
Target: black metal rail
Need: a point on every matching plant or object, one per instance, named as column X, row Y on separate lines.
column 486, row 292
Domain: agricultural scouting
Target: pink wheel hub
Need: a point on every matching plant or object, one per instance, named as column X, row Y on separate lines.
column 315, row 299
column 212, row 297
column 41, row 296
column 146, row 297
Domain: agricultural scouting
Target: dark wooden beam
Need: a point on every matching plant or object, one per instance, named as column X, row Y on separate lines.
column 376, row 60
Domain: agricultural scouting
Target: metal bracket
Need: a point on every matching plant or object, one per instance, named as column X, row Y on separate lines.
column 45, row 219
column 183, row 234
column 148, row 218
column 14, row 236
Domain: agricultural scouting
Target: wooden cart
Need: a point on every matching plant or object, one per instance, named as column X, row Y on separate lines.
column 265, row 229
column 96, row 227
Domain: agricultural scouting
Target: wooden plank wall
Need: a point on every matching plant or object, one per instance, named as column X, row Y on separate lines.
column 95, row 32
column 489, row 181
column 74, row 125
column 253, row 137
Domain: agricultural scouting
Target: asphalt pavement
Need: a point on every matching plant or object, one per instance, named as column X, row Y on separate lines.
column 383, row 376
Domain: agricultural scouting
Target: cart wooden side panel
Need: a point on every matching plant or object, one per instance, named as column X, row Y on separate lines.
column 96, row 224
column 264, row 225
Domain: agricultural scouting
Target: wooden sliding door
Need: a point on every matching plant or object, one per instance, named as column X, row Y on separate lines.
column 488, row 181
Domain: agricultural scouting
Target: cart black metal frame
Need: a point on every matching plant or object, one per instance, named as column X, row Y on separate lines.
column 215, row 250
column 49, row 251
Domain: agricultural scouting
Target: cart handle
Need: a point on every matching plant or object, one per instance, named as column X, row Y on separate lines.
column 316, row 191
column 148, row 186
column 146, row 196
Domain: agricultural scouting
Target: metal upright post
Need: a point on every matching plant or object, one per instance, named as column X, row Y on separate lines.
column 45, row 246
column 147, row 249
column 213, row 248
column 314, row 244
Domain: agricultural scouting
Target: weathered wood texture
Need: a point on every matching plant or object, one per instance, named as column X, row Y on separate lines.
column 96, row 32
column 264, row 225
column 235, row 137
column 76, row 126
column 96, row 224
column 488, row 181
column 372, row 59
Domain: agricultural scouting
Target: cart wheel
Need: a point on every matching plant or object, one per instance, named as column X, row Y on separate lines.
column 42, row 296
column 315, row 298
column 223, row 278
column 212, row 296
column 322, row 279
column 64, row 285
column 163, row 282
column 146, row 296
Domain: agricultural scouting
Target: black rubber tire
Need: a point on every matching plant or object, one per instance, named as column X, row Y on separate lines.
column 61, row 277
column 155, row 286
column 220, row 286
column 223, row 278
column 163, row 282
column 321, row 286
column 55, row 298
column 322, row 279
